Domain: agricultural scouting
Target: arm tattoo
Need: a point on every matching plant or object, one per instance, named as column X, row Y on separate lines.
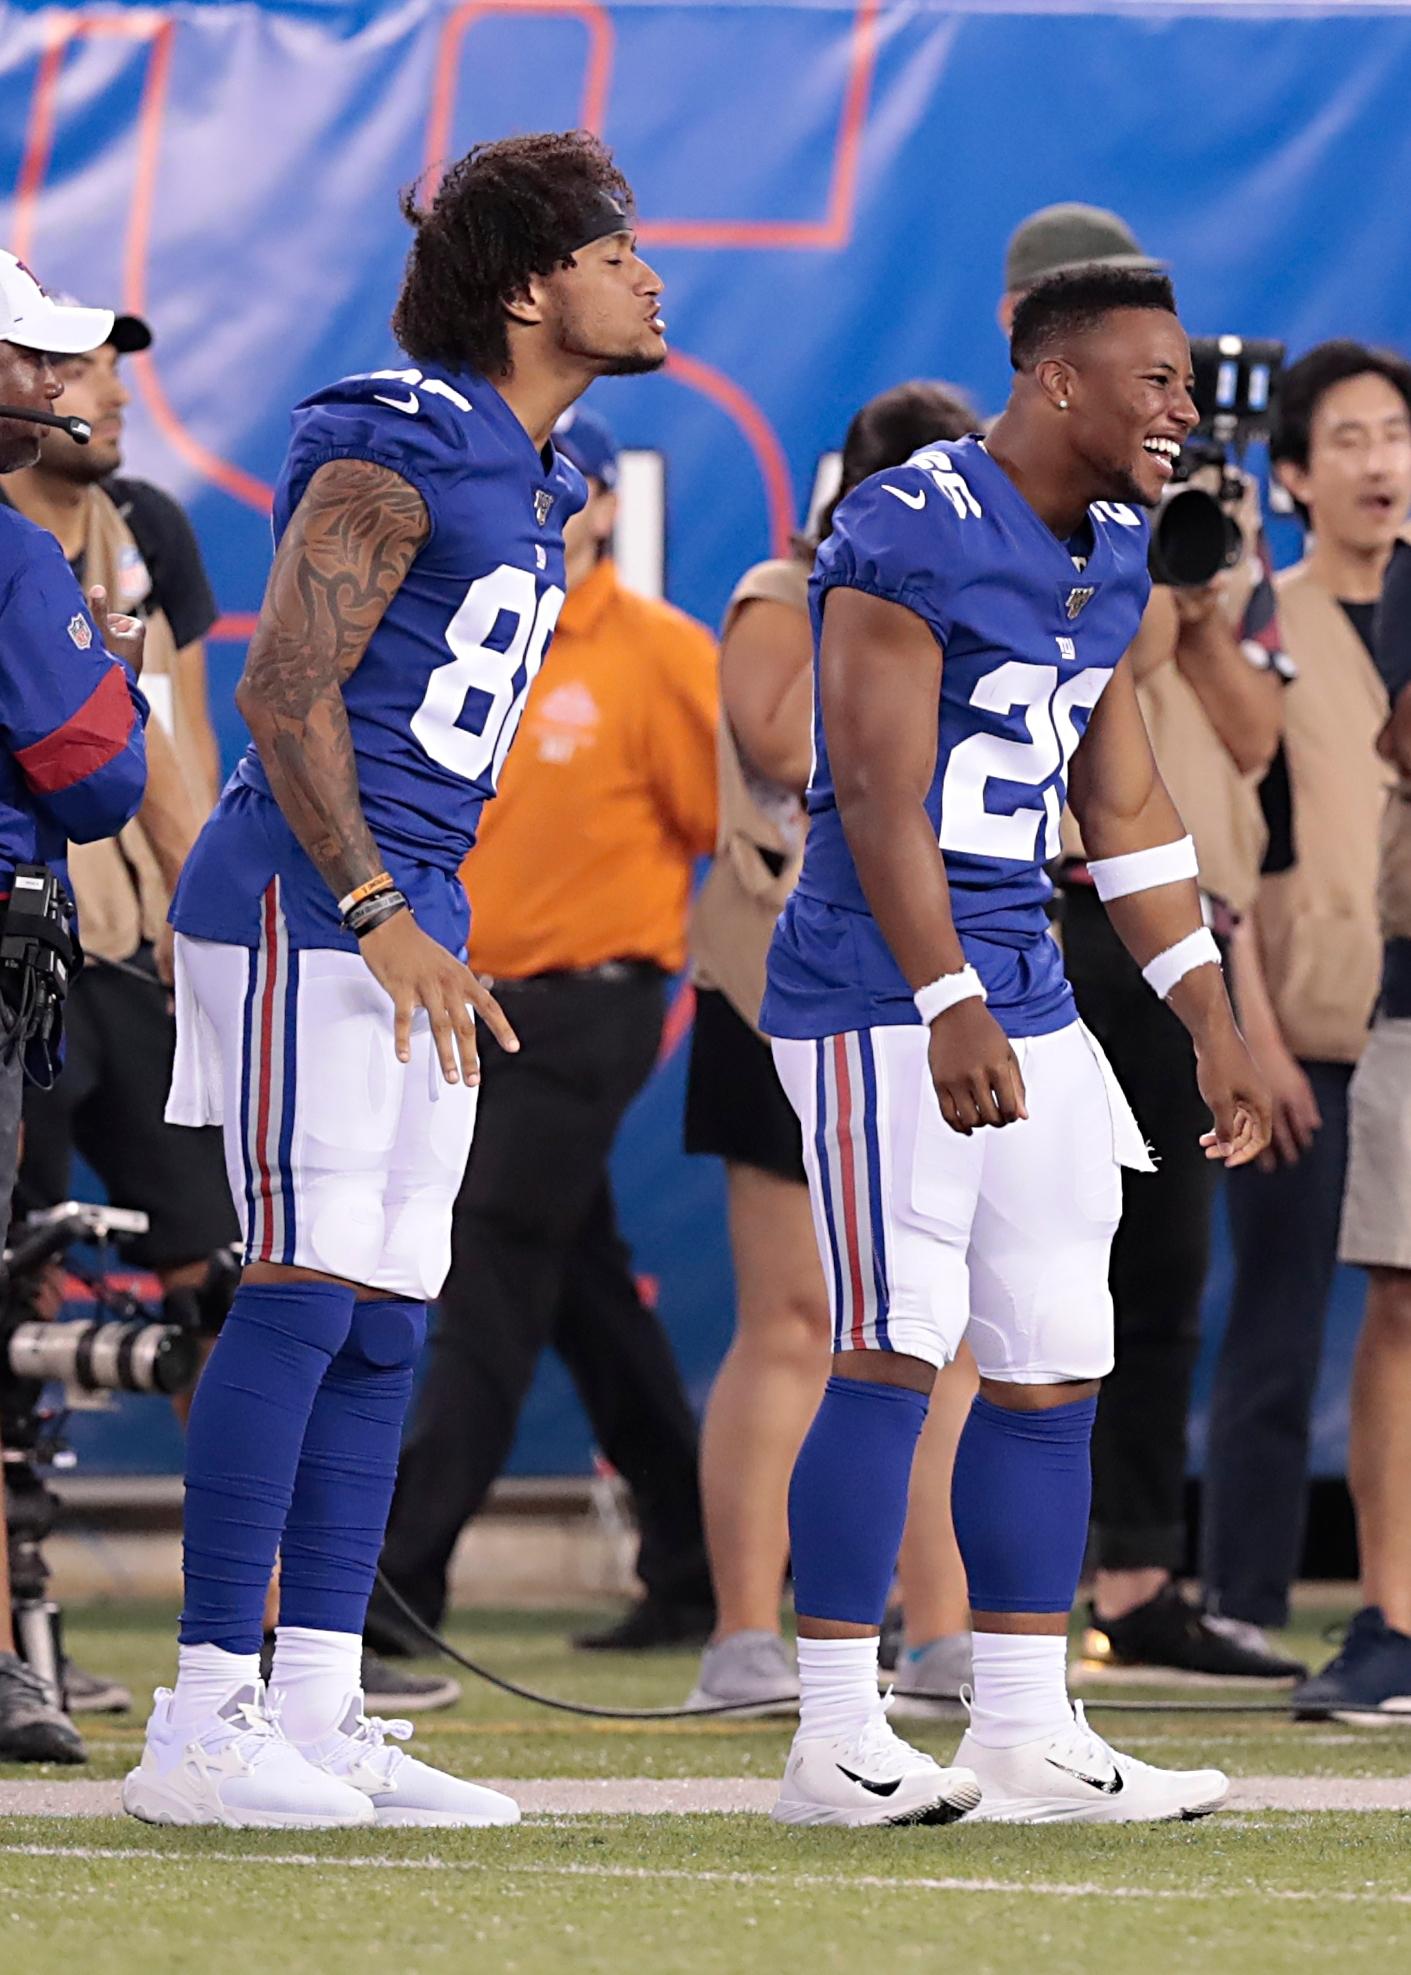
column 345, row 553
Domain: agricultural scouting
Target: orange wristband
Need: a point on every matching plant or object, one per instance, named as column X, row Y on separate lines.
column 382, row 882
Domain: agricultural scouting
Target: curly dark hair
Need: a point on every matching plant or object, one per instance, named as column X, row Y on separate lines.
column 504, row 212
column 1076, row 299
column 1305, row 383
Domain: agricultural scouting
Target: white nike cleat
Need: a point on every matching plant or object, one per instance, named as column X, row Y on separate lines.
column 400, row 1789
column 237, row 1770
column 1075, row 1778
column 871, row 1777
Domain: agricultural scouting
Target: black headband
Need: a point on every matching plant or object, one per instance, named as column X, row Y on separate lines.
column 605, row 215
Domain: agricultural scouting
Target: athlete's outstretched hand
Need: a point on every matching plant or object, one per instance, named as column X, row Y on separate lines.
column 419, row 973
column 975, row 1071
column 1238, row 1097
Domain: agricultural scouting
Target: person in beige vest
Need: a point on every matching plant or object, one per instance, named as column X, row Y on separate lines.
column 1307, row 960
column 1207, row 669
column 1373, row 1670
column 770, row 1384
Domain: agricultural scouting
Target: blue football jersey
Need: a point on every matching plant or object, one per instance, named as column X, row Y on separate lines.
column 1031, row 629
column 436, row 700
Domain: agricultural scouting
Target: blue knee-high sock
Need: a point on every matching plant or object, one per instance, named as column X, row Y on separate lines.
column 347, row 1470
column 1020, row 1499
column 847, row 1499
column 243, row 1440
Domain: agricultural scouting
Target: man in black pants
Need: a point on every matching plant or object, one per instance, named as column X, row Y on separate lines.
column 580, row 881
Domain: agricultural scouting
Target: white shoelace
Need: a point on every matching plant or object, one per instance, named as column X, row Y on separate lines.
column 878, row 1741
column 1085, row 1748
column 372, row 1754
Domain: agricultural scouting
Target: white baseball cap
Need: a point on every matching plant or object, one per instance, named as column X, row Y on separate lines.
column 36, row 321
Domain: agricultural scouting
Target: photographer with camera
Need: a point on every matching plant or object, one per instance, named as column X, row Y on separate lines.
column 1307, row 960
column 1205, row 666
column 72, row 767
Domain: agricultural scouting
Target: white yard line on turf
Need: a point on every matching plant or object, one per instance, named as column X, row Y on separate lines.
column 796, row 1881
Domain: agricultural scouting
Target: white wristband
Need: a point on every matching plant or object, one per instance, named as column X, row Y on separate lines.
column 1195, row 950
column 938, row 995
column 1142, row 870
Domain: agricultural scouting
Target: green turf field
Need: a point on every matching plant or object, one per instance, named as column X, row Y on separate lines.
column 1252, row 1892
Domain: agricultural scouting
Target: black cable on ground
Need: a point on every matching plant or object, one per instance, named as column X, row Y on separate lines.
column 718, row 1708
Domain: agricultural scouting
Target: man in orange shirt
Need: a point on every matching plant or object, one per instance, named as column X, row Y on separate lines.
column 580, row 879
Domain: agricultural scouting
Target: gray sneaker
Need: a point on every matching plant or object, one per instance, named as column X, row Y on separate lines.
column 753, row 1671
column 928, row 1688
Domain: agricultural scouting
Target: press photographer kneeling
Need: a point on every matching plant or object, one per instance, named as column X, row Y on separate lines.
column 72, row 767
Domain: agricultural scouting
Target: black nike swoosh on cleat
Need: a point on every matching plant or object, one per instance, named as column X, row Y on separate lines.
column 1110, row 1786
column 877, row 1789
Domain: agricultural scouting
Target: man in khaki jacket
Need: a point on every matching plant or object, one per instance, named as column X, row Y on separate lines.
column 1307, row 960
column 1373, row 1670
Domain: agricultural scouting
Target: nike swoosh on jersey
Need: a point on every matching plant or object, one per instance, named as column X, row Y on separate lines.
column 917, row 500
column 409, row 403
column 1110, row 1786
column 877, row 1789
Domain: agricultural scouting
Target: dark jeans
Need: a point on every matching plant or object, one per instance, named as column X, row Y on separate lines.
column 537, row 1260
column 1285, row 1230
column 1158, row 1258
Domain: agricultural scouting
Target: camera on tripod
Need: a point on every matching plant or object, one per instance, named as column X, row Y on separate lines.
column 1196, row 533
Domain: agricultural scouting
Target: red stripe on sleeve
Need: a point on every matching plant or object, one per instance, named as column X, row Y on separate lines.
column 87, row 741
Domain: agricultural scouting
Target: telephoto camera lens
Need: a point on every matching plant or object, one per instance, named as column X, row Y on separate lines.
column 103, row 1357
column 1192, row 539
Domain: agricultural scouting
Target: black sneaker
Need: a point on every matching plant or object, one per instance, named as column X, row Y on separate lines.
column 1170, row 1634
column 31, row 1728
column 90, row 1693
column 1368, row 1680
column 649, row 1625
column 392, row 1685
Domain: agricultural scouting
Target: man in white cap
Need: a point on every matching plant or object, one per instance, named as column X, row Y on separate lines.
column 73, row 766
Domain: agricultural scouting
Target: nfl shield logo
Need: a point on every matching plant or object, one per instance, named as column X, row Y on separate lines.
column 543, row 501
column 80, row 631
column 1078, row 599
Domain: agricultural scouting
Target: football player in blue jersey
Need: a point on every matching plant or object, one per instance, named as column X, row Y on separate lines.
column 963, row 1132
column 324, row 1007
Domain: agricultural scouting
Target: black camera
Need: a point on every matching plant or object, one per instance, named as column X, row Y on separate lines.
column 1196, row 533
column 122, row 1348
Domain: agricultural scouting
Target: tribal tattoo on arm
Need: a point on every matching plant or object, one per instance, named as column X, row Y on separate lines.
column 344, row 555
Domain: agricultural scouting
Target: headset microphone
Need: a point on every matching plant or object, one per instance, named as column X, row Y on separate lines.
column 78, row 429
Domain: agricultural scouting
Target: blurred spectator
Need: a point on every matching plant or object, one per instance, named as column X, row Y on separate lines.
column 1204, row 662
column 770, row 1384
column 109, row 1100
column 580, row 881
column 1307, row 961
column 1373, row 1669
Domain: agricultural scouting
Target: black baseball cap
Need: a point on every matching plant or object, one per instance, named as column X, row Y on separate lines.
column 1070, row 235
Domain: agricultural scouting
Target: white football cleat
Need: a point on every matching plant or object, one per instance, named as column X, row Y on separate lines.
column 870, row 1777
column 1075, row 1778
column 398, row 1788
column 236, row 1770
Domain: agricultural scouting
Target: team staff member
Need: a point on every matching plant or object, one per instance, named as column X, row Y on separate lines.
column 134, row 540
column 1307, row 960
column 1205, row 667
column 580, row 881
column 72, row 767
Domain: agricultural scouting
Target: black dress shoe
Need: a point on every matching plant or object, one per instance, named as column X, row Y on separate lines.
column 1167, row 1633
column 650, row 1624
column 32, row 1729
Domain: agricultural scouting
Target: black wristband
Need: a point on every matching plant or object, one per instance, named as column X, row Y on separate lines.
column 370, row 913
